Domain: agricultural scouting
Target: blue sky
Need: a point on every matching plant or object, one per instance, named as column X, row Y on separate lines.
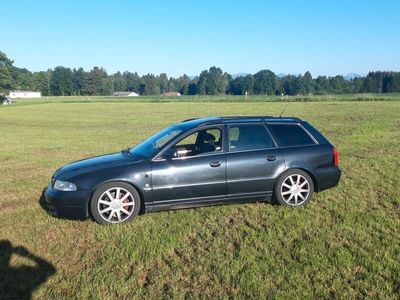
column 322, row 36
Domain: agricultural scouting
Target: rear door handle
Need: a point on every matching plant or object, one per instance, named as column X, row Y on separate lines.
column 215, row 164
column 271, row 157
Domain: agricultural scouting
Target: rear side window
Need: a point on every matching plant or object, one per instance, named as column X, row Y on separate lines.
column 288, row 135
column 249, row 137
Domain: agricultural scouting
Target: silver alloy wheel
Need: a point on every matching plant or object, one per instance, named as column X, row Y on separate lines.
column 295, row 189
column 116, row 205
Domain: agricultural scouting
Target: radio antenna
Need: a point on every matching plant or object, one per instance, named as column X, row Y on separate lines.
column 280, row 116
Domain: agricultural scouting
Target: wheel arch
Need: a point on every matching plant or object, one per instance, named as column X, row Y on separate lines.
column 141, row 197
column 309, row 173
column 314, row 179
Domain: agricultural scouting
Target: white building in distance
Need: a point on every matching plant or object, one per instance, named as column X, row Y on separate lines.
column 125, row 94
column 24, row 94
column 172, row 94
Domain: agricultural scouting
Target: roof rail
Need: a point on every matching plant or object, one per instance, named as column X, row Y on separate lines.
column 290, row 118
column 220, row 120
column 246, row 117
column 187, row 120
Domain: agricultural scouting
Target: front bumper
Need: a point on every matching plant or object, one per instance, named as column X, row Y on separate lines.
column 67, row 204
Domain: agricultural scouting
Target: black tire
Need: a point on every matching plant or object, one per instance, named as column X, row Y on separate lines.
column 286, row 193
column 101, row 211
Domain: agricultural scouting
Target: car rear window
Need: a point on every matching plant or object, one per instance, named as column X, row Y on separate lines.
column 249, row 137
column 288, row 135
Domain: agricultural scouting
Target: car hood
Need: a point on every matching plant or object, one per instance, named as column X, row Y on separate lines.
column 97, row 162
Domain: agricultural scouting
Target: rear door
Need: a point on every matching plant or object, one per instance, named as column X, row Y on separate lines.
column 253, row 162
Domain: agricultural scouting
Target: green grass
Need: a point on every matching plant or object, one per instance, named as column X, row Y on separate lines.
column 345, row 244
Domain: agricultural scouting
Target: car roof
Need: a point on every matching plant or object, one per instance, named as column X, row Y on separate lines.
column 236, row 119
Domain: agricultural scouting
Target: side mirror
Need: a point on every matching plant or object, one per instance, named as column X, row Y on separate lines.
column 170, row 153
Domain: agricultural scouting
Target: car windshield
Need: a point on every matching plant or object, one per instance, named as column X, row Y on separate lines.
column 150, row 146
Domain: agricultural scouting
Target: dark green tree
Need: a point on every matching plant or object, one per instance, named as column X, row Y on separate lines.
column 192, row 88
column 236, row 86
column 79, row 77
column 308, row 83
column 224, row 87
column 292, row 85
column 42, row 82
column 373, row 82
column 61, row 82
column 201, row 83
column 355, row 85
column 393, row 85
column 23, row 79
column 120, row 84
column 133, row 81
column 248, row 85
column 97, row 82
column 338, row 84
column 172, row 84
column 215, row 82
column 6, row 80
column 162, row 80
column 182, row 84
column 321, row 85
column 149, row 85
column 265, row 83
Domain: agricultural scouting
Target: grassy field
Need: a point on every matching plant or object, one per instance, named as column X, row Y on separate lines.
column 345, row 244
column 228, row 98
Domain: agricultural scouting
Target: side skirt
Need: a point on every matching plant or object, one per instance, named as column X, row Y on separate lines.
column 200, row 202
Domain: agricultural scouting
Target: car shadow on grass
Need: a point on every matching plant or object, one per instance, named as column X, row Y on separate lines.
column 19, row 282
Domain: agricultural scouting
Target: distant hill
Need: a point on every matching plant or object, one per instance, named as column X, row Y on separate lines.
column 242, row 74
column 353, row 75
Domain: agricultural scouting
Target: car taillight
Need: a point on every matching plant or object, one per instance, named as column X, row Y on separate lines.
column 335, row 157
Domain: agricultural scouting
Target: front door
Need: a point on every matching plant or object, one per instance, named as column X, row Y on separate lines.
column 197, row 173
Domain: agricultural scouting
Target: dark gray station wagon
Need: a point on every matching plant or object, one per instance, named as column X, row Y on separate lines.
column 199, row 162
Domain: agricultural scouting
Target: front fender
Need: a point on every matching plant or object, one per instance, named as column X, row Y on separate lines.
column 136, row 175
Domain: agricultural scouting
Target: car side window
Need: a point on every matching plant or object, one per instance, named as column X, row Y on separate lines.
column 189, row 140
column 249, row 137
column 200, row 142
column 288, row 135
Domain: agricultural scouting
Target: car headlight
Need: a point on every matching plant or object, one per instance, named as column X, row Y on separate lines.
column 64, row 186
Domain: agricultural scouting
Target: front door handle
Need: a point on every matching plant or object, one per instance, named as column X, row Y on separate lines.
column 271, row 157
column 215, row 164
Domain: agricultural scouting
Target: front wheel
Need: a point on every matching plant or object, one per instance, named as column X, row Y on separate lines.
column 115, row 202
column 294, row 188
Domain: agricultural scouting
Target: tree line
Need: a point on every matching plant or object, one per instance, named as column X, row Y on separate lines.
column 62, row 81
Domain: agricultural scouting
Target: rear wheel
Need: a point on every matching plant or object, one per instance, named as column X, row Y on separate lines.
column 294, row 188
column 114, row 203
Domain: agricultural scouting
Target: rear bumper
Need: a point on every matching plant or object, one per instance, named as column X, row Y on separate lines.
column 67, row 204
column 328, row 178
